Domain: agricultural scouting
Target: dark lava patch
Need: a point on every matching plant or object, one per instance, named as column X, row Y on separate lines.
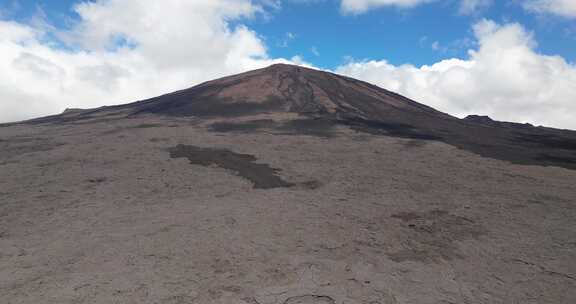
column 548, row 141
column 182, row 104
column 242, row 127
column 146, row 126
column 391, row 129
column 304, row 126
column 261, row 175
column 553, row 160
column 313, row 127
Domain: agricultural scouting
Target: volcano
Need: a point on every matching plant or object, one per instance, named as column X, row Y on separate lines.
column 285, row 185
column 322, row 99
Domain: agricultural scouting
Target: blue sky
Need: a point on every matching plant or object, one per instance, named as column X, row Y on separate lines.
column 512, row 60
column 320, row 32
column 400, row 35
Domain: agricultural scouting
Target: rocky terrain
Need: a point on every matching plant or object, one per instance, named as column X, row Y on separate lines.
column 285, row 185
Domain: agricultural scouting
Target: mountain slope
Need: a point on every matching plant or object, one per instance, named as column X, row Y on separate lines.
column 339, row 100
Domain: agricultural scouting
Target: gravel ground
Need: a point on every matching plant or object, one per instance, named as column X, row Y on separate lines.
column 99, row 212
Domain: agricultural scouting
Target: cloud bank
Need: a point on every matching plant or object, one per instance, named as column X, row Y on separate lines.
column 565, row 8
column 361, row 6
column 471, row 6
column 120, row 51
column 504, row 78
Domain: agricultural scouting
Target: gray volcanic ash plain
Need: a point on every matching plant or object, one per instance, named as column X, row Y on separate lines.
column 285, row 185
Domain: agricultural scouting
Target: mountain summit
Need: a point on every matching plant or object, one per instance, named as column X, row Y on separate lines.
column 285, row 88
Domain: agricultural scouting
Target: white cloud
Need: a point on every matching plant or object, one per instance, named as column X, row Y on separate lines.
column 565, row 8
column 504, row 78
column 314, row 51
column 289, row 37
column 468, row 7
column 361, row 6
column 172, row 44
